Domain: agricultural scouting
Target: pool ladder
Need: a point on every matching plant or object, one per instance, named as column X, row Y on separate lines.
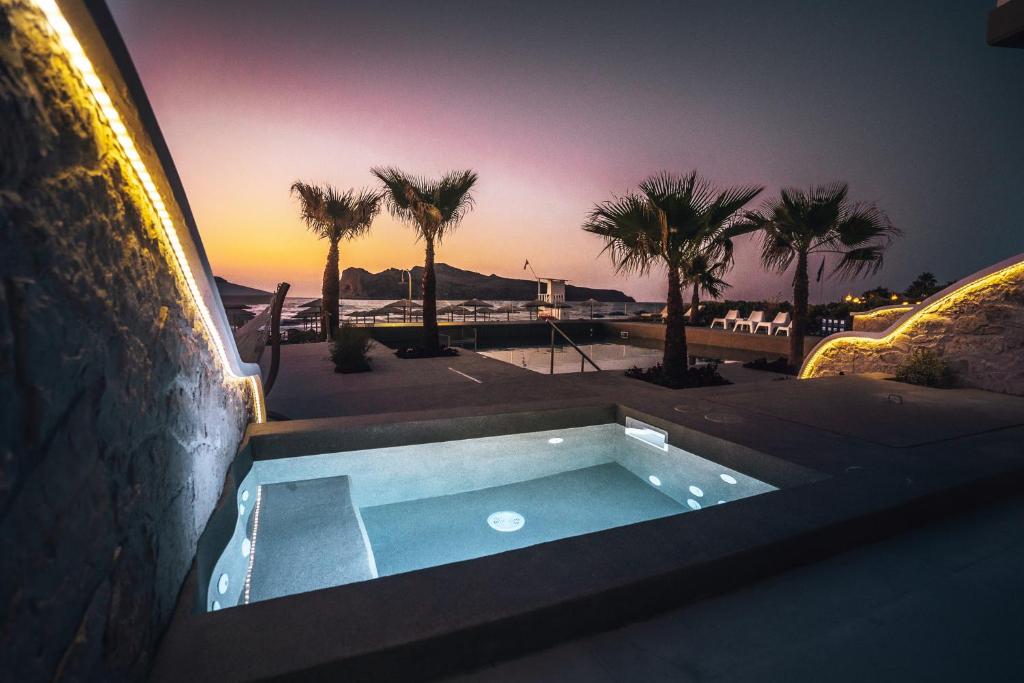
column 584, row 358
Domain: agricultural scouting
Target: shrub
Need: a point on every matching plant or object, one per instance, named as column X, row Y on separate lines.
column 302, row 337
column 349, row 350
column 926, row 368
column 778, row 365
column 700, row 376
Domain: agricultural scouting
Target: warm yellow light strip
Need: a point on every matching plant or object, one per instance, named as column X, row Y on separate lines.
column 1009, row 273
column 81, row 62
column 885, row 310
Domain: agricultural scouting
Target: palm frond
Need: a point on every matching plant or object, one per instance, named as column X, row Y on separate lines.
column 336, row 215
column 821, row 219
column 433, row 207
column 860, row 261
column 630, row 230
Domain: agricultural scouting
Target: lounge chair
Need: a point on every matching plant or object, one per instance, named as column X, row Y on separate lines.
column 786, row 327
column 729, row 320
column 749, row 323
column 781, row 320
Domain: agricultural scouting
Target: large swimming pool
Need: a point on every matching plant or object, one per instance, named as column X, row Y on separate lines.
column 318, row 521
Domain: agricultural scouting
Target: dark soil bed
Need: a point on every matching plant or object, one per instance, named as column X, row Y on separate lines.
column 418, row 352
column 780, row 365
column 704, row 376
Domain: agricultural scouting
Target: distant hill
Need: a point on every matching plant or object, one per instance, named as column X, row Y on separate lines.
column 455, row 283
column 232, row 294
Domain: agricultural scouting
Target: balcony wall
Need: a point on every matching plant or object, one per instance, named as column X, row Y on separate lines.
column 117, row 418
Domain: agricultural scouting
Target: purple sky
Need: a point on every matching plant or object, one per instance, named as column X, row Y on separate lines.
column 560, row 105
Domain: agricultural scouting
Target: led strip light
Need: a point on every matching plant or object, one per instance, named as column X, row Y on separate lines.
column 856, row 340
column 81, row 62
column 252, row 544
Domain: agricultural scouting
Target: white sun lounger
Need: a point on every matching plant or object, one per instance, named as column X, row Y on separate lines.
column 728, row 321
column 781, row 320
column 749, row 323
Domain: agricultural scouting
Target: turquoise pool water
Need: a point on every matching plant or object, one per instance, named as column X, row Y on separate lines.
column 313, row 522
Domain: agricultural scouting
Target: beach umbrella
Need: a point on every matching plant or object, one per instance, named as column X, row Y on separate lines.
column 452, row 311
column 405, row 305
column 532, row 306
column 386, row 312
column 507, row 309
column 591, row 303
column 475, row 304
column 359, row 314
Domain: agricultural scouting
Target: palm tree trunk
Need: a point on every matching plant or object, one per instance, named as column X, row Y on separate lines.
column 695, row 304
column 330, row 291
column 801, row 285
column 674, row 359
column 430, row 338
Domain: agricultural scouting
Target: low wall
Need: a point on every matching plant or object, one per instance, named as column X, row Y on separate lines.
column 975, row 325
column 701, row 341
column 717, row 343
column 489, row 333
column 118, row 419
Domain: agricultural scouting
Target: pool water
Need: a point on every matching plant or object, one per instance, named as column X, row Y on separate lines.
column 313, row 522
column 607, row 356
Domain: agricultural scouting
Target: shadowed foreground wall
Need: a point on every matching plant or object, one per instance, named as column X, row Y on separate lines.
column 116, row 422
column 976, row 326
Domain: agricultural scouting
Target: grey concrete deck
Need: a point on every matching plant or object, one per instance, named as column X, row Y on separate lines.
column 891, row 464
column 942, row 603
column 308, row 387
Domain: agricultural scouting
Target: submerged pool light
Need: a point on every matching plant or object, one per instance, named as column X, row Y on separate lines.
column 506, row 521
column 727, row 478
column 654, row 480
column 556, row 440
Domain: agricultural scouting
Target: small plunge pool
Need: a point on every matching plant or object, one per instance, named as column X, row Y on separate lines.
column 313, row 522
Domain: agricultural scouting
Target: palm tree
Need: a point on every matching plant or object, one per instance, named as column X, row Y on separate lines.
column 798, row 224
column 668, row 223
column 334, row 216
column 705, row 274
column 434, row 208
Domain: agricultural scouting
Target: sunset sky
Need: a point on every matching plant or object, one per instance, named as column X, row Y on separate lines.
column 558, row 105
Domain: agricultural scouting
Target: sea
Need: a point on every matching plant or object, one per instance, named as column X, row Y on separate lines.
column 293, row 306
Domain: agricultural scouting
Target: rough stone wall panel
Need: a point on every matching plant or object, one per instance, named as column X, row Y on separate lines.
column 117, row 424
column 978, row 330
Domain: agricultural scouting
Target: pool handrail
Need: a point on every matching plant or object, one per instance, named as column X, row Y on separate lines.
column 556, row 328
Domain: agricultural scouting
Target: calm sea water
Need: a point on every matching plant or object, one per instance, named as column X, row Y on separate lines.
column 293, row 306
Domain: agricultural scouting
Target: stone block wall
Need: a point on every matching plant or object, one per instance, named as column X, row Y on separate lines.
column 977, row 327
column 117, row 423
column 878, row 319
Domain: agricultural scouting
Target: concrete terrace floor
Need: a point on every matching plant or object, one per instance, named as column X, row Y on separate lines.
column 941, row 602
column 308, row 387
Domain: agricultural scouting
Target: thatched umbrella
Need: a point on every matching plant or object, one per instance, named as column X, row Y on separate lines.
column 452, row 311
column 475, row 304
column 507, row 309
column 591, row 303
column 532, row 306
column 238, row 314
column 405, row 305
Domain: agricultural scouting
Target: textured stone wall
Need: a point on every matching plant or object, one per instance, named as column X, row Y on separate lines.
column 978, row 330
column 878, row 319
column 116, row 422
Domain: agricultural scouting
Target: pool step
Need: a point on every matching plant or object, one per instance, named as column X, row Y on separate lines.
column 310, row 536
